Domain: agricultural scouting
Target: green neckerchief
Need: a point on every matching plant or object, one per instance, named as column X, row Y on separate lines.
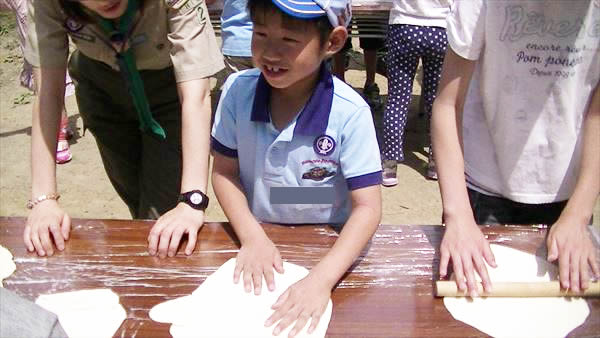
column 128, row 68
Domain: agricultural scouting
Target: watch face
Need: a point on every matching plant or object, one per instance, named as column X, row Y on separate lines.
column 196, row 198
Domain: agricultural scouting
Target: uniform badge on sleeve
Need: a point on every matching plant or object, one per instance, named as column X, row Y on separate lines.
column 324, row 145
column 73, row 25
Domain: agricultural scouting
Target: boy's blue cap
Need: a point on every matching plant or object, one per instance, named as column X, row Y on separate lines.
column 338, row 12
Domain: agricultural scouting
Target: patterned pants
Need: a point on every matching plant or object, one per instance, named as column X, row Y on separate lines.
column 407, row 45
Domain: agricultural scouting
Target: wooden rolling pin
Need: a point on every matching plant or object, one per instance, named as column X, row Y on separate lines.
column 520, row 289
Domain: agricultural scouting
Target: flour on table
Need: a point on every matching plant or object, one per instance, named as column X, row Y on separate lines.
column 86, row 313
column 7, row 266
column 220, row 308
column 520, row 317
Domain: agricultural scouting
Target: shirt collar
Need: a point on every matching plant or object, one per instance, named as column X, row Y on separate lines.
column 314, row 117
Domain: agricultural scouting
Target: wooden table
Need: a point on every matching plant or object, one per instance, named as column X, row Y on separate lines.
column 388, row 292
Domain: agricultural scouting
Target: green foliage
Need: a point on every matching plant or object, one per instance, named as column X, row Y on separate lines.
column 12, row 59
column 22, row 99
column 7, row 23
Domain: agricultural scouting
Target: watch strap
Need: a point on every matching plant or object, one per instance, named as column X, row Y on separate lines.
column 186, row 198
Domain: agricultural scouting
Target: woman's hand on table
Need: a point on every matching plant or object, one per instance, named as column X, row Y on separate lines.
column 167, row 232
column 47, row 224
column 465, row 244
column 572, row 245
column 256, row 258
column 303, row 301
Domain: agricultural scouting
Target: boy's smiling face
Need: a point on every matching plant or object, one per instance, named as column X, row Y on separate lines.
column 288, row 55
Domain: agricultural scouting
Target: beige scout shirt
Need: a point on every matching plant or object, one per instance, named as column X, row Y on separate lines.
column 176, row 32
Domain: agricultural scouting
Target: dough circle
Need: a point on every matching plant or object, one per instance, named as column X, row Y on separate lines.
column 220, row 308
column 7, row 266
column 94, row 313
column 520, row 317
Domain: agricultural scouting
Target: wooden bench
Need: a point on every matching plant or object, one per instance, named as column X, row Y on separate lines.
column 371, row 16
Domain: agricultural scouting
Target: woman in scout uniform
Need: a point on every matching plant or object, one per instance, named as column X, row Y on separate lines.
column 141, row 70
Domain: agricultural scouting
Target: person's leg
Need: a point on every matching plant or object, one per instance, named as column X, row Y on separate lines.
column 403, row 58
column 107, row 111
column 19, row 8
column 433, row 61
column 370, row 46
column 370, row 57
column 370, row 88
column 339, row 60
column 161, row 161
column 402, row 62
column 63, row 152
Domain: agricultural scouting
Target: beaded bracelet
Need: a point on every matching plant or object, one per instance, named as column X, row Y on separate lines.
column 41, row 198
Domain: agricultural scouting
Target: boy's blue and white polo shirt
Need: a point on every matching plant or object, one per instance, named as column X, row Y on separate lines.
column 331, row 143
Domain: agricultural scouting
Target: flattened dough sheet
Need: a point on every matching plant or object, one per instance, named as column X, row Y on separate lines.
column 220, row 308
column 520, row 317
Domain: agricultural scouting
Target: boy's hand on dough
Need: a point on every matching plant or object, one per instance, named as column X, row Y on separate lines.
column 166, row 234
column 256, row 258
column 572, row 245
column 46, row 222
column 303, row 301
column 465, row 244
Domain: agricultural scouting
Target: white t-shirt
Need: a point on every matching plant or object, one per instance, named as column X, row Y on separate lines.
column 420, row 12
column 538, row 66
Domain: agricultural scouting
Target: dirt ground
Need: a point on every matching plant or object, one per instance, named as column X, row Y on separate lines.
column 87, row 193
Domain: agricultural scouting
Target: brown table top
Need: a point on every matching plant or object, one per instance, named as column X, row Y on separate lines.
column 388, row 292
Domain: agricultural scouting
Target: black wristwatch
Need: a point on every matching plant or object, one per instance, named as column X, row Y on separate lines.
column 195, row 199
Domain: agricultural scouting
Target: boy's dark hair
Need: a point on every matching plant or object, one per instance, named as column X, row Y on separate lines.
column 75, row 10
column 322, row 23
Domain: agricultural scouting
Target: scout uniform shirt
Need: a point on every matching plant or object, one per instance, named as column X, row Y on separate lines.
column 170, row 32
column 331, row 144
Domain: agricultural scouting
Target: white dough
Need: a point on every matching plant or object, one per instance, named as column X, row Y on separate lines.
column 520, row 317
column 7, row 266
column 220, row 308
column 86, row 313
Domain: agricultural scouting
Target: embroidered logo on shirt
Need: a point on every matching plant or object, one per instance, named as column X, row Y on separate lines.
column 318, row 174
column 324, row 145
column 73, row 25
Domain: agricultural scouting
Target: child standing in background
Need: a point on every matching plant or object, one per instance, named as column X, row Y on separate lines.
column 294, row 145
column 417, row 32
column 370, row 46
column 236, row 34
column 19, row 8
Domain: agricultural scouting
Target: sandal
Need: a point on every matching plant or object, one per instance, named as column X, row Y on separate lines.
column 63, row 152
column 390, row 168
column 65, row 129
